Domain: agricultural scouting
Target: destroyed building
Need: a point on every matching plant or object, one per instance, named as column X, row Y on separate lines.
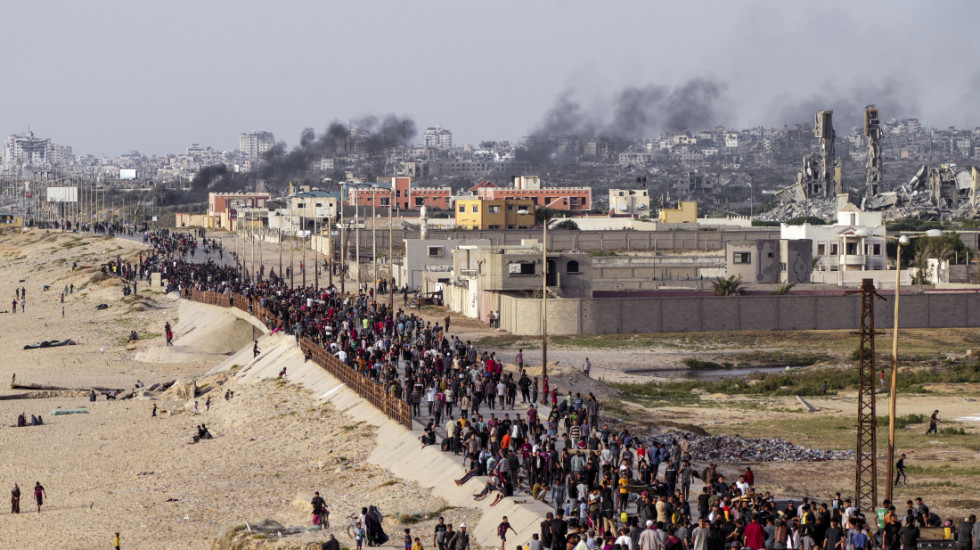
column 946, row 191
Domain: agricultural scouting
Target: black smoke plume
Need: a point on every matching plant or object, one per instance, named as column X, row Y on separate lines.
column 637, row 112
column 893, row 100
column 640, row 112
column 281, row 165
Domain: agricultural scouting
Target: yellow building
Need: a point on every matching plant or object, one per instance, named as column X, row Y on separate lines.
column 686, row 212
column 10, row 222
column 494, row 213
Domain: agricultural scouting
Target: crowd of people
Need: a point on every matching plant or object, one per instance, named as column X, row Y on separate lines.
column 609, row 489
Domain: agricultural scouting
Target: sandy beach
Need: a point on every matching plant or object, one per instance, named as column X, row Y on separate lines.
column 118, row 469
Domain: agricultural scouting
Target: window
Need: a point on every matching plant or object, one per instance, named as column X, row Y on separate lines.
column 510, row 207
column 571, row 266
column 782, row 267
column 850, row 249
column 833, row 250
column 876, row 249
column 821, row 249
column 385, row 201
column 436, row 251
column 854, row 219
column 493, row 226
column 476, row 209
column 419, row 201
column 493, row 209
column 462, row 209
column 742, row 258
column 520, row 268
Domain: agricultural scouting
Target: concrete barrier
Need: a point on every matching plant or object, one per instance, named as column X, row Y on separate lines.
column 397, row 448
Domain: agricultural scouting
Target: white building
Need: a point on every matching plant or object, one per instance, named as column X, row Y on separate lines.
column 26, row 150
column 855, row 243
column 254, row 144
column 632, row 202
column 437, row 137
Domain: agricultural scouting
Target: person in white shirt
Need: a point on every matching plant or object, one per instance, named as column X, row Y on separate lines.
column 624, row 541
column 742, row 485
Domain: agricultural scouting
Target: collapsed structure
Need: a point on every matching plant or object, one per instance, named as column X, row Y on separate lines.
column 946, row 191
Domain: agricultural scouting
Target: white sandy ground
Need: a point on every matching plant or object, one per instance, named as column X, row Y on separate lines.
column 115, row 468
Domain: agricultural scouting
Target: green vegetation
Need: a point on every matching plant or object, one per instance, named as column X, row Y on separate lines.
column 732, row 286
column 914, row 224
column 902, row 422
column 800, row 220
column 783, row 289
column 696, row 364
column 806, row 382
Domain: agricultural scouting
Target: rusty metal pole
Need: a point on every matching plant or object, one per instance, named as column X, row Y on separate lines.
column 866, row 461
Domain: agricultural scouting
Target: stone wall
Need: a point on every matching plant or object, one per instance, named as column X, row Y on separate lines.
column 714, row 313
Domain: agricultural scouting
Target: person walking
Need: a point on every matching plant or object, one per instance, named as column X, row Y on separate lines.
column 15, row 500
column 39, row 495
column 154, row 413
column 587, row 367
column 170, row 334
column 933, row 423
column 900, row 472
column 115, row 541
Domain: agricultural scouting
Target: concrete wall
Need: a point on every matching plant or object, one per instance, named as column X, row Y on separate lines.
column 714, row 313
column 564, row 239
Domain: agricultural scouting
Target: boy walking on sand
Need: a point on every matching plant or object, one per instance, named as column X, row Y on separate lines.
column 39, row 495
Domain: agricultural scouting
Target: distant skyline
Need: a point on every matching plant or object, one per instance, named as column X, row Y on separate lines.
column 107, row 77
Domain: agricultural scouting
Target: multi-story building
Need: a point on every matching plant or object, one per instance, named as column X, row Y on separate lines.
column 25, row 150
column 494, row 214
column 254, row 144
column 569, row 199
column 855, row 243
column 408, row 195
column 223, row 208
column 629, row 202
column 437, row 137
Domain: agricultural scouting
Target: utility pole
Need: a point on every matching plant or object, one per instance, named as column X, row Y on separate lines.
column 343, row 249
column 302, row 262
column 291, row 270
column 317, row 241
column 357, row 238
column 374, row 238
column 866, row 469
column 391, row 259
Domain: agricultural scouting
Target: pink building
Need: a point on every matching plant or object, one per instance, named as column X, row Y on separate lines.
column 408, row 196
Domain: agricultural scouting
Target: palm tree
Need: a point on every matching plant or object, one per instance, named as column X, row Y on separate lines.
column 732, row 286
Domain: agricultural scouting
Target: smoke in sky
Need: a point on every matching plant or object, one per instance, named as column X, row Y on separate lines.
column 640, row 111
column 893, row 99
column 369, row 134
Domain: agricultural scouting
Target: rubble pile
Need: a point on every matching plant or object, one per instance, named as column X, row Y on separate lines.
column 734, row 448
column 821, row 208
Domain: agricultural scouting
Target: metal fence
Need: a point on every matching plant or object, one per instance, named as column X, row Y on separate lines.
column 393, row 407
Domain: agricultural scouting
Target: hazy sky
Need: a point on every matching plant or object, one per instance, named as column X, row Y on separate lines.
column 111, row 76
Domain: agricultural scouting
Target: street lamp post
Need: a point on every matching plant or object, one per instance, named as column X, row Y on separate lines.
column 544, row 296
column 374, row 238
column 391, row 258
column 901, row 240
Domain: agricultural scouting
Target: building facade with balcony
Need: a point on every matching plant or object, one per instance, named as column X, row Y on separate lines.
column 855, row 243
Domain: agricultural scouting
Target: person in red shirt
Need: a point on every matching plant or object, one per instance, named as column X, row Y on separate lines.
column 755, row 537
column 749, row 476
